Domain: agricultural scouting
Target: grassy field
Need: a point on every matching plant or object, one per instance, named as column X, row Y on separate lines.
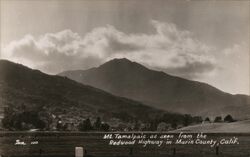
column 235, row 127
column 52, row 144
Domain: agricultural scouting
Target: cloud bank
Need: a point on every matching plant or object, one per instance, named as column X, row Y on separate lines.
column 168, row 49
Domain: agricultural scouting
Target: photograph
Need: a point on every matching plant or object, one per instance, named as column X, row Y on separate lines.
column 124, row 78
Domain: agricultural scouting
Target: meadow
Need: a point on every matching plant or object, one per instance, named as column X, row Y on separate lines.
column 55, row 144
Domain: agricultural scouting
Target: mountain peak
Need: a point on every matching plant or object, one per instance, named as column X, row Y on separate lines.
column 122, row 63
column 119, row 60
column 132, row 80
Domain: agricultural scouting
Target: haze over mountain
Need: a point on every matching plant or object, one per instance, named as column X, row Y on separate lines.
column 21, row 87
column 125, row 78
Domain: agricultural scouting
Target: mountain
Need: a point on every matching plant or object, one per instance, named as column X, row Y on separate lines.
column 22, row 88
column 125, row 78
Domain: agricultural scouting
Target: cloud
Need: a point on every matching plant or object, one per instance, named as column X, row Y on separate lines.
column 168, row 48
column 235, row 68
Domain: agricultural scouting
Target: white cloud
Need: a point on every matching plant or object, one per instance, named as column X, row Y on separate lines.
column 169, row 49
column 232, row 72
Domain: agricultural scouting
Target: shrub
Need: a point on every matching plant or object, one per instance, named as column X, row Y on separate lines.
column 228, row 119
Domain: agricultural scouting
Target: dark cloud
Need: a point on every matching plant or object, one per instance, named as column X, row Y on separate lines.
column 118, row 46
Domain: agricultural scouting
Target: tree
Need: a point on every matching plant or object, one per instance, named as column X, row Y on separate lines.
column 163, row 126
column 97, row 123
column 187, row 120
column 197, row 119
column 218, row 119
column 85, row 125
column 22, row 121
column 153, row 125
column 8, row 114
column 207, row 120
column 104, row 127
column 174, row 125
column 59, row 125
column 228, row 118
column 136, row 126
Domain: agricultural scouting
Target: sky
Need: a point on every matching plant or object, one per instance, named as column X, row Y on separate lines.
column 202, row 40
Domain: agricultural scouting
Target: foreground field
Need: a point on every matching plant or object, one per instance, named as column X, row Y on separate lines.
column 51, row 144
column 235, row 127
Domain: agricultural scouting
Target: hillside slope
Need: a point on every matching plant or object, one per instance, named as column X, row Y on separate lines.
column 158, row 89
column 21, row 87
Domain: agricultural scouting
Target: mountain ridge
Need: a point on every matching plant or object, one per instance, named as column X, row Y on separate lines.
column 22, row 87
column 129, row 79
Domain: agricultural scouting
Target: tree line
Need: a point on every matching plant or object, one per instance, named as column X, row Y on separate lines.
column 28, row 119
column 228, row 118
